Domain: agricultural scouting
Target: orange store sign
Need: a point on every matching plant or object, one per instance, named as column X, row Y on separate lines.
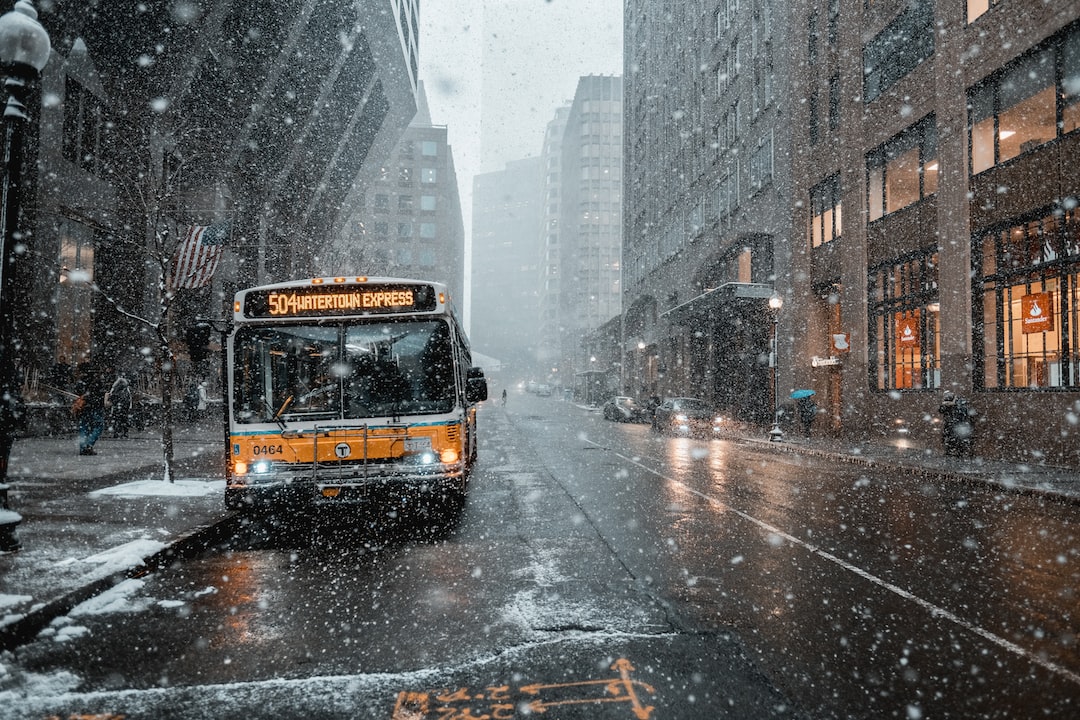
column 1037, row 312
column 907, row 332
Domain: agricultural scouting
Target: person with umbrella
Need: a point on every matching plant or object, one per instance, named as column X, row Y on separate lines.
column 806, row 408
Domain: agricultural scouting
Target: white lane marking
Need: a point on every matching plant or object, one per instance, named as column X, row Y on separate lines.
column 826, row 555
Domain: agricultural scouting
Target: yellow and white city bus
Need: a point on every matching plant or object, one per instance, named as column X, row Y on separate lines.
column 346, row 389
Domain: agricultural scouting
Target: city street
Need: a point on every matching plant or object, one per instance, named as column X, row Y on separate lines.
column 600, row 570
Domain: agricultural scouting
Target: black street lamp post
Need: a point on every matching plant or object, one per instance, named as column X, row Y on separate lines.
column 775, row 303
column 24, row 50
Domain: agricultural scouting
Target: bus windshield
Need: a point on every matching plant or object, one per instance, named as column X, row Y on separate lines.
column 343, row 371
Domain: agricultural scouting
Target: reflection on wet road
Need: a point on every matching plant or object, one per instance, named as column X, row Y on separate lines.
column 860, row 588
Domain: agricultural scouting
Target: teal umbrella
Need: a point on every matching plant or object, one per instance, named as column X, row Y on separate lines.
column 800, row 394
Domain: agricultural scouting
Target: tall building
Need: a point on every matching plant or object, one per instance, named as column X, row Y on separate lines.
column 410, row 224
column 919, row 222
column 590, row 219
column 936, row 219
column 708, row 187
column 549, row 350
column 156, row 123
column 505, row 278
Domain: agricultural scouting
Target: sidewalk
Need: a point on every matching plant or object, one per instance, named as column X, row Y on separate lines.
column 87, row 521
column 1050, row 481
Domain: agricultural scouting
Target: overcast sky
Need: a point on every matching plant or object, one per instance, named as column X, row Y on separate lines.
column 495, row 71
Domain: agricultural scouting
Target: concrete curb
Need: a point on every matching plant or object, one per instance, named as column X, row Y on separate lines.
column 27, row 627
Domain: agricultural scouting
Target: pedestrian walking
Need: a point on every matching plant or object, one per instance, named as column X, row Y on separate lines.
column 119, row 404
column 807, row 409
column 89, row 407
column 504, row 397
column 191, row 403
column 202, row 403
column 957, row 425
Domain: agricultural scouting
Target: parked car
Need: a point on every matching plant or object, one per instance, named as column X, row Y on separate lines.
column 624, row 409
column 686, row 416
column 543, row 390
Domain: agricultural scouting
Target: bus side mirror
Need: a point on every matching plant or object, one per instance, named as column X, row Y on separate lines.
column 476, row 385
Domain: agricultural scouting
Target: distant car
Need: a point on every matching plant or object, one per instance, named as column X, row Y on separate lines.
column 543, row 390
column 624, row 409
column 686, row 416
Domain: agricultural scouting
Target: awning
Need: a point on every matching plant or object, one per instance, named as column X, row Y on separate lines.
column 719, row 299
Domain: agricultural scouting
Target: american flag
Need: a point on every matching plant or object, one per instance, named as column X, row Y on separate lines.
column 198, row 254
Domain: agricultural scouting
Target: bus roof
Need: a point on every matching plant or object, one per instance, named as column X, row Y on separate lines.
column 343, row 279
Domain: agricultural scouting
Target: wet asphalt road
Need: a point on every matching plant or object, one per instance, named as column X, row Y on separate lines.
column 602, row 571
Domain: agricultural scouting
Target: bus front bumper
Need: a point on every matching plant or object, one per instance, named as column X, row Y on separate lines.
column 252, row 492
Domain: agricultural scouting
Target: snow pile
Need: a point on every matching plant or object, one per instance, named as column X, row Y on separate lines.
column 117, row 599
column 160, row 488
column 126, row 556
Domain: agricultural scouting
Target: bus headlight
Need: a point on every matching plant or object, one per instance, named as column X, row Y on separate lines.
column 425, row 457
column 261, row 467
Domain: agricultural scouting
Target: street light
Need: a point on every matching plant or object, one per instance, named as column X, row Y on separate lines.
column 24, row 50
column 775, row 303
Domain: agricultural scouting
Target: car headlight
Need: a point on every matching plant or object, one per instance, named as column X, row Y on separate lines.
column 681, row 418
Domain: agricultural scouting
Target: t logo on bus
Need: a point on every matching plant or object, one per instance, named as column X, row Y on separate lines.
column 342, row 450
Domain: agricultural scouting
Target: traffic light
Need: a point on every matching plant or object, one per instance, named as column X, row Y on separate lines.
column 197, row 338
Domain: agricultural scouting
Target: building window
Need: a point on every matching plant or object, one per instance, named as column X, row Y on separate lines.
column 405, row 176
column 83, row 126
column 898, row 49
column 727, row 198
column 404, row 230
column 405, row 149
column 812, row 120
column 427, row 231
column 428, row 203
column 725, row 15
column 405, row 204
column 762, row 87
column 1016, row 109
column 834, row 102
column 812, row 38
column 429, row 148
column 761, row 164
column 75, row 300
column 975, row 8
column 428, row 176
column 834, row 21
column 733, row 63
column 825, row 211
column 905, row 323
column 904, row 170
column 382, row 202
column 382, row 229
column 1027, row 298
column 731, row 125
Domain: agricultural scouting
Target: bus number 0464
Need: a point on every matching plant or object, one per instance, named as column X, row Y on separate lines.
column 267, row 450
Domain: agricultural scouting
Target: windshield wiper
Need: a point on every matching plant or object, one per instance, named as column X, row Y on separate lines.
column 276, row 416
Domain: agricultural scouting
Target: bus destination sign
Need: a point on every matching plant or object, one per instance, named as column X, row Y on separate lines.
column 338, row 300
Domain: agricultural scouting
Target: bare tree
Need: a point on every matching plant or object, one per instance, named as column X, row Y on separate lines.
column 155, row 194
